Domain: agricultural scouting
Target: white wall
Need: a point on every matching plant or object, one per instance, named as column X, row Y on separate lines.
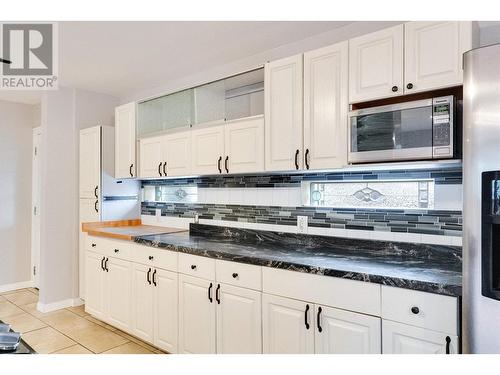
column 256, row 60
column 16, row 138
column 64, row 112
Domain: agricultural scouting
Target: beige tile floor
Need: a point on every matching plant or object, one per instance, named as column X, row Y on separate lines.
column 65, row 331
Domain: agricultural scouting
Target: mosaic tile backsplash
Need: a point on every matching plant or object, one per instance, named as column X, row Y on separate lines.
column 423, row 221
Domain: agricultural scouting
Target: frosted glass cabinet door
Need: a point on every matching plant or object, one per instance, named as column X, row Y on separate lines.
column 283, row 114
column 376, row 65
column 125, row 141
column 325, row 107
column 433, row 54
column 401, row 338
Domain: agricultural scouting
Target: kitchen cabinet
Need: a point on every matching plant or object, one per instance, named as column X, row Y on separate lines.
column 376, row 65
column 151, row 157
column 287, row 325
column 208, row 150
column 325, row 107
column 345, row 332
column 90, row 162
column 433, row 54
column 239, row 328
column 125, row 141
column 166, row 155
column 401, row 338
column 142, row 303
column 197, row 325
column 283, row 114
column 244, row 145
column 177, row 154
column 165, row 307
column 118, row 294
column 95, row 286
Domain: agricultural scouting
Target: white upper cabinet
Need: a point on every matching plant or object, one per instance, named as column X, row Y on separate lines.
column 151, row 157
column 244, row 145
column 433, row 54
column 405, row 339
column 90, row 162
column 345, row 332
column 283, row 114
column 207, row 150
column 239, row 329
column 376, row 65
column 325, row 107
column 125, row 136
column 177, row 154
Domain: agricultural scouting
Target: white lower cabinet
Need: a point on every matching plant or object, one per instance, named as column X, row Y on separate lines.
column 165, row 309
column 94, row 284
column 401, row 338
column 239, row 328
column 345, row 332
column 142, row 303
column 196, row 315
column 118, row 292
column 298, row 327
column 287, row 325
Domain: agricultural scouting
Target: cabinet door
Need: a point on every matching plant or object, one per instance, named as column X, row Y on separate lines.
column 283, row 114
column 325, row 107
column 401, row 338
column 90, row 162
column 376, row 65
column 284, row 328
column 165, row 310
column 196, row 315
column 118, row 296
column 433, row 54
column 88, row 212
column 239, row 315
column 125, row 141
column 244, row 146
column 142, row 303
column 151, row 157
column 207, row 150
column 345, row 332
column 94, row 284
column 177, row 154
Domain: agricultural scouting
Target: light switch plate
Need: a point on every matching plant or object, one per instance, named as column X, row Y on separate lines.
column 301, row 224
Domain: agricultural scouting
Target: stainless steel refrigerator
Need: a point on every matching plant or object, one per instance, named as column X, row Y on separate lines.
column 481, row 213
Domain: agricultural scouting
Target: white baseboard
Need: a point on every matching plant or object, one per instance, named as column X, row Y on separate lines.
column 48, row 307
column 16, row 286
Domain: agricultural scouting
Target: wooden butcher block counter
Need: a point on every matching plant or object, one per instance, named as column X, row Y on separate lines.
column 125, row 229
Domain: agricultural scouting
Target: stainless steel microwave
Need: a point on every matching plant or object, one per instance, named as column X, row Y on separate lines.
column 417, row 130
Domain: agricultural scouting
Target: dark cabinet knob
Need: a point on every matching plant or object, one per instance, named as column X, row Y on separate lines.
column 235, row 275
column 394, row 88
column 150, row 257
column 415, row 310
column 193, row 266
column 116, row 250
column 409, row 86
column 93, row 245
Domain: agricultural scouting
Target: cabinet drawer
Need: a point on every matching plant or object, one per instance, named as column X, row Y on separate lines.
column 115, row 248
column 325, row 290
column 426, row 310
column 151, row 256
column 197, row 266
column 239, row 274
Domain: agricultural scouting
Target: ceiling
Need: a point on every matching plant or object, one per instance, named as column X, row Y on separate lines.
column 119, row 58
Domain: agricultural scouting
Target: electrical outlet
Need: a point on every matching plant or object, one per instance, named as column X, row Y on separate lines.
column 302, row 224
column 158, row 214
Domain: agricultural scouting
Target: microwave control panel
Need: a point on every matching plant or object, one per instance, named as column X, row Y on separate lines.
column 442, row 127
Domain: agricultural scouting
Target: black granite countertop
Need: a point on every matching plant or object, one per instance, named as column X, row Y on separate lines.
column 428, row 268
